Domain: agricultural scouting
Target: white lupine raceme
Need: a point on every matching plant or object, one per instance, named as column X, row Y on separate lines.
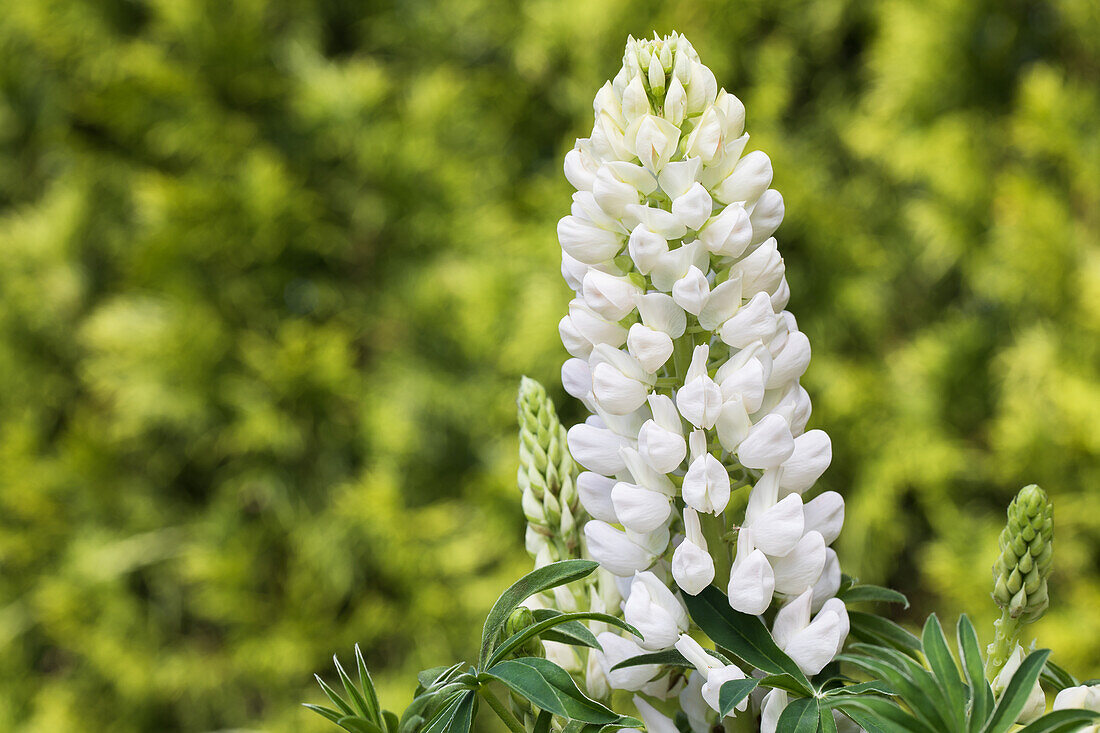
column 689, row 362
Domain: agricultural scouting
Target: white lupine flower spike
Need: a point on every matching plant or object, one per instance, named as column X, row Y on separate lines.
column 690, row 365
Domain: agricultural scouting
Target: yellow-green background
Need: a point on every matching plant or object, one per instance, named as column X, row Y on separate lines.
column 270, row 272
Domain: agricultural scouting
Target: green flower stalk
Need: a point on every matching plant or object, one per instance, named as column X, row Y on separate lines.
column 547, row 478
column 1020, row 572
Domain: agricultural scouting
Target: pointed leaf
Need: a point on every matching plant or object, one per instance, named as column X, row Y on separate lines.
column 981, row 697
column 1057, row 677
column 826, row 722
column 744, row 635
column 872, row 594
column 878, row 630
column 544, row 578
column 861, row 688
column 391, row 721
column 733, row 692
column 324, row 712
column 542, row 723
column 800, row 716
column 358, row 702
column 943, row 668
column 549, row 687
column 573, row 633
column 667, row 658
column 456, row 714
column 358, row 725
column 876, row 715
column 336, row 699
column 1061, row 721
column 1015, row 696
column 516, row 639
column 367, row 684
column 917, row 687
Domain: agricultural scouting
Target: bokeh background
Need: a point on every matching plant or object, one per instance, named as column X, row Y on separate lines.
column 270, row 272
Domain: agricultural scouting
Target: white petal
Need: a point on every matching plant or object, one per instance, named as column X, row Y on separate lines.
column 800, row 568
column 829, row 582
column 654, row 141
column 791, row 619
column 813, row 451
column 697, row 655
column 791, row 361
column 646, row 247
column 597, row 449
column 825, row 514
column 609, row 296
column 587, row 242
column 635, row 100
column 576, row 377
column 777, row 530
column 733, row 424
column 706, row 485
column 618, row 649
column 779, row 300
column 595, row 328
column 692, row 565
column 754, row 321
column 573, row 270
column 674, row 264
column 665, row 223
column 693, row 207
column 639, row 509
column 835, row 605
column 752, row 583
column 662, row 449
column 660, row 312
column 768, row 444
column 580, row 166
column 766, row 215
column 572, row 340
column 677, row 178
column 712, row 689
column 729, row 232
column 762, row 270
column 700, row 402
column 723, row 302
column 616, row 392
column 816, row 645
column 749, row 180
column 655, row 721
column 746, row 383
column 775, row 702
column 595, row 496
column 650, row 347
column 615, row 550
column 691, row 291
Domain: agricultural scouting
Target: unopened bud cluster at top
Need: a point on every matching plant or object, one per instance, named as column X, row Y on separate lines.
column 683, row 352
column 1027, row 552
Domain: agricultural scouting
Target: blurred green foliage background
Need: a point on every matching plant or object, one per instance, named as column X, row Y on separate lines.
column 271, row 271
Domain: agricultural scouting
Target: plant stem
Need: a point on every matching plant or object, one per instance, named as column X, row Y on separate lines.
column 714, row 529
column 502, row 712
column 1007, row 631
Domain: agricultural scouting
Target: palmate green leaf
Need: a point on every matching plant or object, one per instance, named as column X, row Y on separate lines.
column 924, row 698
column 541, row 579
column 327, row 713
column 878, row 630
column 535, row 629
column 872, row 594
column 733, row 692
column 367, row 684
column 549, row 687
column 1061, row 721
column 363, row 708
column 1015, row 695
column 744, row 635
column 783, row 682
column 332, row 695
column 573, row 633
column 981, row 696
column 800, row 716
column 945, row 671
column 666, row 658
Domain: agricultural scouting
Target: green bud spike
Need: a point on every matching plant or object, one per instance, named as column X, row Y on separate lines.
column 547, row 475
column 519, row 620
column 1021, row 570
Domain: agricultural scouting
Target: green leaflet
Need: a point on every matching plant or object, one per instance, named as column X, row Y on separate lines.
column 550, row 622
column 550, row 688
column 744, row 635
column 544, row 578
column 666, row 658
column 872, row 594
column 733, row 692
column 800, row 716
column 1061, row 721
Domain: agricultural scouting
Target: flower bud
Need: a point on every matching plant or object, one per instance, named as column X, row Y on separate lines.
column 1020, row 573
column 519, row 620
column 752, row 580
column 766, row 215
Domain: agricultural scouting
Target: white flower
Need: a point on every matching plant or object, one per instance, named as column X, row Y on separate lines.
column 717, row 674
column 595, row 494
column 692, row 565
column 706, row 485
column 811, row 644
column 800, row 568
column 693, row 705
column 829, row 582
column 776, row 529
column 650, row 347
column 623, row 553
column 769, row 443
column 660, row 312
column 766, row 215
column 596, row 448
column 728, row 232
column 576, row 377
column 691, row 291
column 813, row 452
column 640, row 509
column 609, row 296
column 1036, row 701
column 581, row 166
column 661, row 439
column 700, row 399
column 618, row 649
column 771, row 708
column 761, row 270
column 722, row 303
column 586, row 242
column 693, row 207
column 646, row 247
column 749, row 180
column 790, row 359
column 754, row 321
column 752, row 580
column 825, row 514
column 655, row 721
column 593, row 327
column 655, row 611
column 1085, row 697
